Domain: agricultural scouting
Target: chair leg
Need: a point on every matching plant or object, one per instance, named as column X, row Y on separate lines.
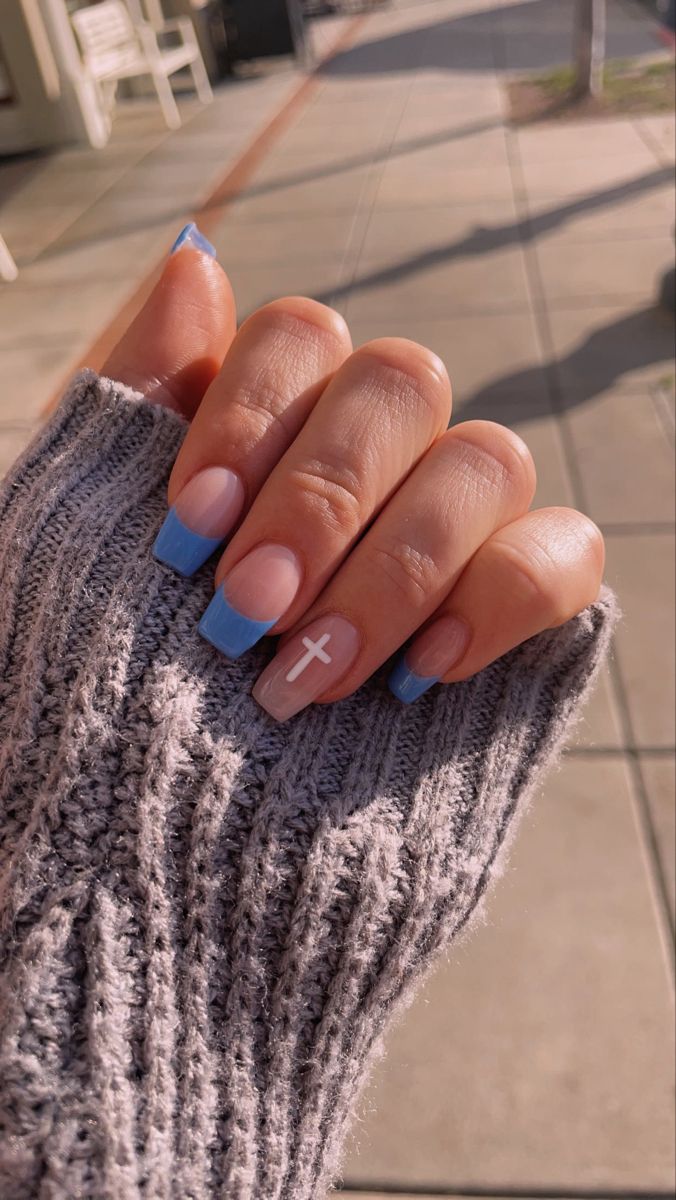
column 201, row 80
column 167, row 102
column 8, row 268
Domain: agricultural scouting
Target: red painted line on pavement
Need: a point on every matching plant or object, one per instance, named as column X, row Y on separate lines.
column 210, row 211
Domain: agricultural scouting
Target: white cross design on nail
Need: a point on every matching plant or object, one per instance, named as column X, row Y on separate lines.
column 314, row 650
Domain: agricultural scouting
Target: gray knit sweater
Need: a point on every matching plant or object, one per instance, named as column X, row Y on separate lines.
column 206, row 918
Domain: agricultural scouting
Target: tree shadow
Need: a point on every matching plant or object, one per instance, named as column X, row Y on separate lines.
column 486, row 240
column 629, row 344
column 277, row 184
column 370, row 157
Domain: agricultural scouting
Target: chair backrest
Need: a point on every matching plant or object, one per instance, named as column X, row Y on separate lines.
column 106, row 35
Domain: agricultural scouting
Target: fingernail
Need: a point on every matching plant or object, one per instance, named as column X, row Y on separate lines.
column 251, row 599
column 191, row 236
column 204, row 513
column 307, row 666
column 428, row 659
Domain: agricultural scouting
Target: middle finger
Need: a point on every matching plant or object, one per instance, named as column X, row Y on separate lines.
column 379, row 414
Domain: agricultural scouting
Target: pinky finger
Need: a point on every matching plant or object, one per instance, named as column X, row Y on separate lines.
column 532, row 575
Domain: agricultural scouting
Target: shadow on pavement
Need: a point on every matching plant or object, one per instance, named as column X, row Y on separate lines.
column 515, row 37
column 385, row 153
column 294, row 179
column 632, row 343
column 486, row 240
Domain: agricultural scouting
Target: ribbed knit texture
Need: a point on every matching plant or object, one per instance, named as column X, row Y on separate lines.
column 206, row 918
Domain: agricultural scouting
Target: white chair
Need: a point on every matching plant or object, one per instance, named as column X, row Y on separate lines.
column 114, row 48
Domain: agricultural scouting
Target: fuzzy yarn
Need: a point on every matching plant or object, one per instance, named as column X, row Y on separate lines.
column 207, row 919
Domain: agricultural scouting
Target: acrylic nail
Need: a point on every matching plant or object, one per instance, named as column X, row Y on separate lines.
column 251, row 599
column 310, row 663
column 204, row 513
column 191, row 236
column 429, row 658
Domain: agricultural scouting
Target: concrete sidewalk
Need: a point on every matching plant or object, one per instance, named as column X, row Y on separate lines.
column 539, row 1059
column 86, row 226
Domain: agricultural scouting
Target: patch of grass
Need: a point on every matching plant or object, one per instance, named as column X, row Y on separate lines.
column 629, row 87
column 557, row 82
column 651, row 85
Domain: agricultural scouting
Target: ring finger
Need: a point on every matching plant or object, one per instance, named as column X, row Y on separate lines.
column 476, row 478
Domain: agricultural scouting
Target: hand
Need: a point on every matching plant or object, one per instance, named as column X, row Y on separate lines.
column 357, row 521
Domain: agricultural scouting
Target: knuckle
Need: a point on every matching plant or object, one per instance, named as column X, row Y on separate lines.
column 536, row 578
column 411, row 572
column 571, row 540
column 408, row 372
column 263, row 408
column 501, row 456
column 559, row 566
column 302, row 317
column 332, row 494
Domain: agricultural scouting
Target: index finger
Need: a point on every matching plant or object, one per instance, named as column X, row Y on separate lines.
column 273, row 375
column 177, row 342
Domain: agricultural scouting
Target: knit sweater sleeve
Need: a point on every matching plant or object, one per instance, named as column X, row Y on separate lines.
column 207, row 918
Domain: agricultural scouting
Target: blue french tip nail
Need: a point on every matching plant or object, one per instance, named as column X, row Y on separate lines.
column 406, row 685
column 181, row 548
column 229, row 630
column 191, row 236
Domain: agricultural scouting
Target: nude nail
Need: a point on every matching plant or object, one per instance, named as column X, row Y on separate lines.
column 429, row 658
column 203, row 515
column 252, row 598
column 311, row 662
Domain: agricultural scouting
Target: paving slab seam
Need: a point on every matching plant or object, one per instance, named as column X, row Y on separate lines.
column 535, row 288
column 662, row 397
column 541, row 318
column 645, row 826
column 343, row 291
column 59, row 231
column 572, row 303
column 210, row 210
column 345, row 281
column 647, row 834
column 652, row 143
column 629, row 528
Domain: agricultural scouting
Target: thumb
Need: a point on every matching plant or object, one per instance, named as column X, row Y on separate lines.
column 177, row 342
